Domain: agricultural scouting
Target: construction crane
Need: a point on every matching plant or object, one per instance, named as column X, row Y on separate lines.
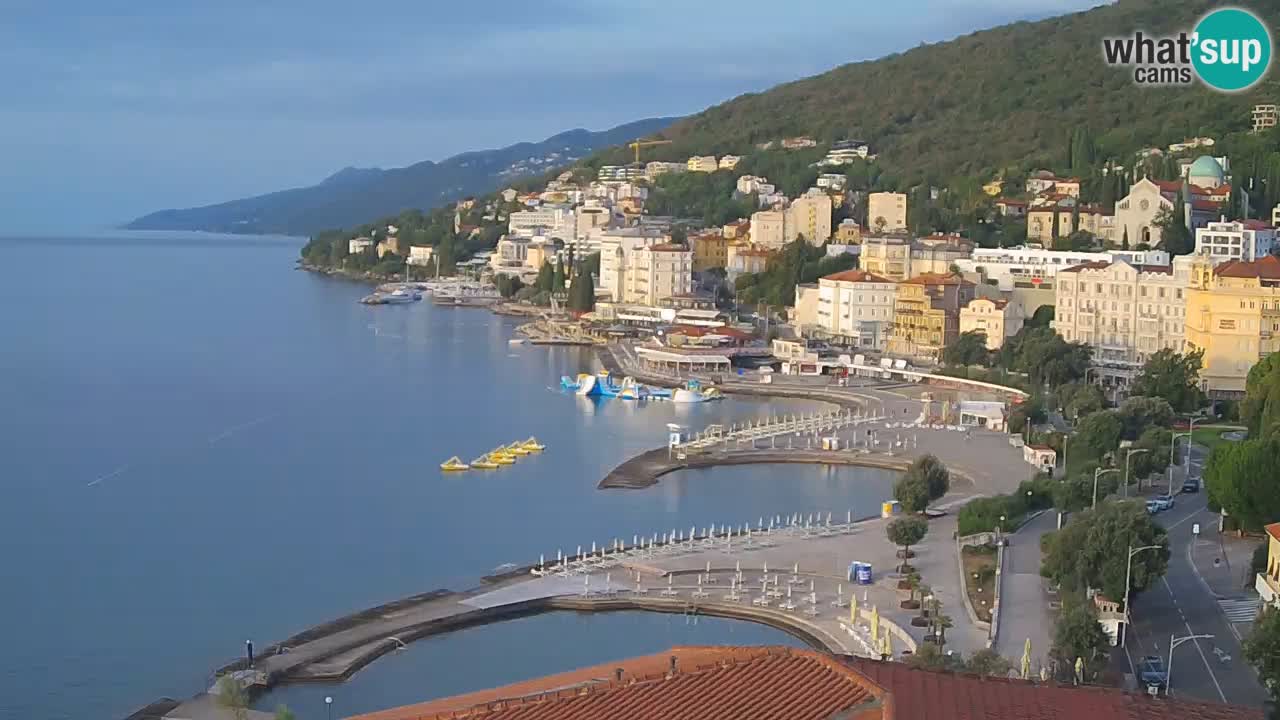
column 637, row 144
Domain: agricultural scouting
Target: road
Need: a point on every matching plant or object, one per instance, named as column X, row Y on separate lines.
column 1182, row 604
column 1024, row 606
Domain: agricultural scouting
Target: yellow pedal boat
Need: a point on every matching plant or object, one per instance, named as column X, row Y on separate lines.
column 483, row 463
column 454, row 464
column 516, row 449
column 532, row 445
column 502, row 458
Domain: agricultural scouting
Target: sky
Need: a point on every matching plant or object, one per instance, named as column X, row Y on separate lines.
column 114, row 108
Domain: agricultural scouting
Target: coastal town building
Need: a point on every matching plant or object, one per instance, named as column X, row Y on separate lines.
column 1233, row 317
column 898, row 256
column 887, row 212
column 997, row 319
column 1126, row 312
column 358, row 245
column 1070, row 217
column 609, row 173
column 656, row 273
column 748, row 184
column 848, row 232
column 1136, row 213
column 926, row 314
column 616, row 246
column 657, row 168
column 809, row 216
column 746, row 258
column 558, row 221
column 389, row 244
column 729, row 162
column 804, row 314
column 1027, row 266
column 1044, row 181
column 1265, row 116
column 710, row 250
column 703, row 164
column 831, row 181
column 855, row 308
column 768, row 228
column 844, row 152
column 1224, row 241
column 737, row 230
column 1012, row 207
column 420, row 255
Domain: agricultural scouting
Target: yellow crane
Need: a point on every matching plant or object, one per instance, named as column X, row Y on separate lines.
column 637, row 144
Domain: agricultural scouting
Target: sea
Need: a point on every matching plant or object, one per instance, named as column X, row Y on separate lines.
column 201, row 445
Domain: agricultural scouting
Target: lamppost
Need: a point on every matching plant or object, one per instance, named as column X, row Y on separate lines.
column 1097, row 473
column 1173, row 442
column 328, row 707
column 1173, row 643
column 1128, row 569
column 1191, row 430
column 1129, row 456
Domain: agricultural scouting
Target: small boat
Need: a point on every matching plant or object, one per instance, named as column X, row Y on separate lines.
column 518, row 341
column 454, row 464
column 483, row 463
column 502, row 457
column 532, row 445
column 516, row 448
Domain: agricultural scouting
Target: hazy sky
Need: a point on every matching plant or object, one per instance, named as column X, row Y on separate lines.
column 114, row 108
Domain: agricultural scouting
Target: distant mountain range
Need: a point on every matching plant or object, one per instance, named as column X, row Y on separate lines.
column 355, row 195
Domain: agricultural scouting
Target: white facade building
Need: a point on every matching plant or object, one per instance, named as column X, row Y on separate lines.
column 615, row 246
column 768, row 228
column 658, row 272
column 358, row 245
column 420, row 255
column 857, row 307
column 1248, row 241
column 1037, row 266
column 552, row 220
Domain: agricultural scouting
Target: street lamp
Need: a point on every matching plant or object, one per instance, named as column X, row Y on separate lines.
column 1191, row 429
column 328, row 706
column 1173, row 643
column 1173, row 442
column 1128, row 569
column 1097, row 473
column 1129, row 456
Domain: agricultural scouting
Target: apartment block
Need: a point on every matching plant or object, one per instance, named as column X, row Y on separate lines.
column 1233, row 315
column 855, row 307
column 926, row 314
column 887, row 212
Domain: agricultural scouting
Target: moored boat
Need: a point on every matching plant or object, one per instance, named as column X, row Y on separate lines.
column 454, row 464
column 516, row 448
column 532, row 445
column 483, row 463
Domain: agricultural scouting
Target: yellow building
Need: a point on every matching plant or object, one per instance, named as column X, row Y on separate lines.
column 710, row 250
column 997, row 319
column 703, row 163
column 810, row 216
column 1233, row 315
column 1268, row 582
column 745, row 258
column 886, row 211
column 926, row 314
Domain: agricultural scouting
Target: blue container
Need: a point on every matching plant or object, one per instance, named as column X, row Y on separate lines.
column 864, row 575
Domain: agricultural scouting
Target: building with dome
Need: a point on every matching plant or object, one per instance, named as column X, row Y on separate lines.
column 1206, row 172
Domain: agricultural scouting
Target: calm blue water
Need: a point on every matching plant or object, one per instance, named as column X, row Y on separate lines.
column 199, row 444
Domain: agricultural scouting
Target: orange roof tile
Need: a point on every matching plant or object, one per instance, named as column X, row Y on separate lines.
column 709, row 683
column 1274, row 530
column 1267, row 268
column 856, row 276
column 937, row 279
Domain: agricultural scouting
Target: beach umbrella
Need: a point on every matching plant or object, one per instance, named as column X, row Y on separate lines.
column 1026, row 660
column 886, row 648
column 1079, row 670
column 875, row 623
column 853, row 609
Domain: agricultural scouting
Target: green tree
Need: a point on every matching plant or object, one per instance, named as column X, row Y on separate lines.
column 1241, row 479
column 1041, row 318
column 905, row 532
column 1262, row 649
column 969, row 348
column 912, row 491
column 935, row 475
column 284, row 713
column 582, row 297
column 1096, row 435
column 1260, row 409
column 1091, row 551
column 232, row 697
column 1078, row 399
column 988, row 663
column 1077, row 635
column 1138, row 413
column 557, row 277
column 1175, row 237
column 931, row 657
column 546, row 277
column 1173, row 376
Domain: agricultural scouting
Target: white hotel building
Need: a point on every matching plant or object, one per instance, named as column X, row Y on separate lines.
column 1247, row 241
column 1035, row 267
column 857, row 307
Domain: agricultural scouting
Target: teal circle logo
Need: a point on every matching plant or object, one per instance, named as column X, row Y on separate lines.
column 1231, row 49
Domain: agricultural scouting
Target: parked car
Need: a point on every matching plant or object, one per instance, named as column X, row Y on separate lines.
column 1152, row 507
column 1152, row 673
column 1191, row 486
column 1165, row 502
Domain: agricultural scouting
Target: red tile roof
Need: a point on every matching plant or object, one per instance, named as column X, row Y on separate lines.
column 1091, row 265
column 1274, row 530
column 925, row 695
column 1268, row 268
column 709, row 684
column 856, row 276
column 1257, row 225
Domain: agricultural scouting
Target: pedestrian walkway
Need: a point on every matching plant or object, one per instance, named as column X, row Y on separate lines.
column 1024, row 604
column 1241, row 610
